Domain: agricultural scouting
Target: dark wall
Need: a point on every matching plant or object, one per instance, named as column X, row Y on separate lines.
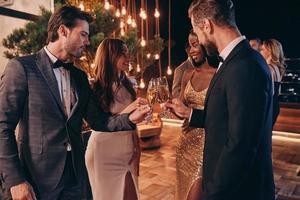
column 256, row 18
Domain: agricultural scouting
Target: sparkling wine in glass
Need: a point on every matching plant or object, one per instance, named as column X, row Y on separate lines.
column 151, row 97
column 163, row 94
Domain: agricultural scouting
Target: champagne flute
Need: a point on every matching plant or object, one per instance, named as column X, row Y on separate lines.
column 163, row 94
column 151, row 97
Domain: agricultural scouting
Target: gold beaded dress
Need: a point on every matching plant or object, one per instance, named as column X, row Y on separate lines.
column 190, row 145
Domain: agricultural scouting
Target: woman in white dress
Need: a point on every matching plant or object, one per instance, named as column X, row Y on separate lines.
column 112, row 158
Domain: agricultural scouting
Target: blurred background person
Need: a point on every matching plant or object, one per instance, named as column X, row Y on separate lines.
column 187, row 64
column 272, row 51
column 112, row 158
column 255, row 43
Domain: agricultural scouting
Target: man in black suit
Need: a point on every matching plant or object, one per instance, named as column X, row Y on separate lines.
column 238, row 110
column 49, row 99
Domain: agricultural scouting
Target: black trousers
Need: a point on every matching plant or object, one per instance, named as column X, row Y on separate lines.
column 69, row 188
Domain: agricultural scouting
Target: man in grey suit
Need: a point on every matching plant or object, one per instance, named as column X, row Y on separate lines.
column 49, row 99
column 178, row 74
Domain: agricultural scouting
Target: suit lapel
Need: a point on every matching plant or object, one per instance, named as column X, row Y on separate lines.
column 76, row 84
column 222, row 68
column 46, row 68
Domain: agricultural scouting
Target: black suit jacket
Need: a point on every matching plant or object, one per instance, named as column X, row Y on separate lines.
column 29, row 95
column 238, row 126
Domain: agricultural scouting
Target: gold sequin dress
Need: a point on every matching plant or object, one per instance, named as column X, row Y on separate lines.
column 190, row 145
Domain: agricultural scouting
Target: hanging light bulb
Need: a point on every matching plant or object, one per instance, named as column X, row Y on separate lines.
column 138, row 69
column 118, row 14
column 122, row 24
column 143, row 14
column 156, row 56
column 122, row 32
column 143, row 42
column 156, row 13
column 148, row 55
column 129, row 20
column 130, row 68
column 133, row 24
column 169, row 70
column 123, row 11
column 142, row 84
column 106, row 5
column 81, row 6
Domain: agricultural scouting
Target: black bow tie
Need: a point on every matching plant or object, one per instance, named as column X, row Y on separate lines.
column 220, row 59
column 60, row 63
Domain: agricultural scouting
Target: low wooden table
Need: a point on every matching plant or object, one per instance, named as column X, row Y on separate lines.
column 149, row 134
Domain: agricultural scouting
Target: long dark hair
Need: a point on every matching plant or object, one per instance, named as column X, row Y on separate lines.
column 107, row 56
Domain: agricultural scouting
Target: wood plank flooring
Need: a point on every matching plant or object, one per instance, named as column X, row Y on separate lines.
column 157, row 174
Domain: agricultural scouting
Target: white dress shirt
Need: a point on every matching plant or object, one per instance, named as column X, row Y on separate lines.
column 228, row 49
column 63, row 79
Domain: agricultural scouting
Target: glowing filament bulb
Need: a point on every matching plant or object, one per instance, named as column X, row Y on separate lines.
column 130, row 67
column 133, row 24
column 138, row 69
column 156, row 13
column 148, row 55
column 169, row 70
column 143, row 14
column 81, row 6
column 106, row 5
column 143, row 42
column 118, row 14
column 123, row 11
column 122, row 32
column 156, row 56
column 129, row 20
column 122, row 24
column 142, row 84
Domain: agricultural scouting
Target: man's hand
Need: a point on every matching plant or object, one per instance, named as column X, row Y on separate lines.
column 179, row 108
column 23, row 191
column 139, row 114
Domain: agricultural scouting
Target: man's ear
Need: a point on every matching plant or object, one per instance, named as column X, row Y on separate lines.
column 207, row 25
column 62, row 31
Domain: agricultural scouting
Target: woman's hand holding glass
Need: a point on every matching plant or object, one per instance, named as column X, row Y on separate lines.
column 134, row 105
column 158, row 91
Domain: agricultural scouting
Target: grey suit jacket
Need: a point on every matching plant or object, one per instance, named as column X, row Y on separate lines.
column 29, row 96
column 176, row 86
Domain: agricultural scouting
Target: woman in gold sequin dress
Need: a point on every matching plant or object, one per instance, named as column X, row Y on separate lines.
column 189, row 152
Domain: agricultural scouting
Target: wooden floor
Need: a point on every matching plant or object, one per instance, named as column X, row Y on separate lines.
column 157, row 176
